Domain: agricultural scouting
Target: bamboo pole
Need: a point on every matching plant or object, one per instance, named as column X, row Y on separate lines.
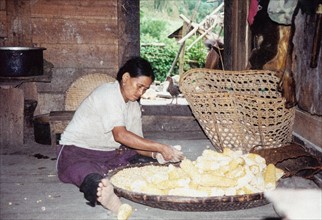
column 196, row 26
column 183, row 44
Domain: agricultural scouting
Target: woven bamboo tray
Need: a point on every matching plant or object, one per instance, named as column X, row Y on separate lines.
column 190, row 204
column 239, row 109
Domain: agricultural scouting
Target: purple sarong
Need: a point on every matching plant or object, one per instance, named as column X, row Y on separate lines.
column 75, row 163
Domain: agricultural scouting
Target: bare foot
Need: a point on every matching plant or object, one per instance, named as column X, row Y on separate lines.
column 107, row 197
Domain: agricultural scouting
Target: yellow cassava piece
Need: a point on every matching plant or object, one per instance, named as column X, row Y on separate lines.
column 279, row 173
column 189, row 168
column 218, row 172
column 170, row 184
column 218, row 181
column 236, row 172
column 210, row 154
column 227, row 151
column 206, row 165
column 176, row 173
column 152, row 190
column 125, row 212
column 187, row 192
column 255, row 169
column 233, row 164
column 270, row 177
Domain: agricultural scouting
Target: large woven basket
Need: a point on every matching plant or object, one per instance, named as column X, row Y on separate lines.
column 82, row 87
column 239, row 109
column 186, row 203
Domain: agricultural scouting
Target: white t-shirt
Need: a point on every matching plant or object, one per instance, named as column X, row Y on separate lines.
column 93, row 121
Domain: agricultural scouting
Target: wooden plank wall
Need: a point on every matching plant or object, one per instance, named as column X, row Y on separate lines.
column 308, row 80
column 308, row 119
column 3, row 22
column 80, row 37
column 77, row 34
column 19, row 23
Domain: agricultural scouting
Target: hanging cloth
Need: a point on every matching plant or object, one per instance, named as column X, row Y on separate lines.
column 281, row 11
column 253, row 8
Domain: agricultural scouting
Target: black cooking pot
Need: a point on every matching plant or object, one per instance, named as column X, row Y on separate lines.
column 21, row 61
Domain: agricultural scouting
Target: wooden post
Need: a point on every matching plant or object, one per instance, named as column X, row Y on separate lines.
column 181, row 56
column 182, row 45
column 236, row 31
column 11, row 117
column 128, row 32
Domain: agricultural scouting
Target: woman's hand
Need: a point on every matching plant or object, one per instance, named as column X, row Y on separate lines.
column 170, row 154
column 127, row 138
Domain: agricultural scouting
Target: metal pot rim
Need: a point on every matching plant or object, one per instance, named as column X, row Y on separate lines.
column 22, row 48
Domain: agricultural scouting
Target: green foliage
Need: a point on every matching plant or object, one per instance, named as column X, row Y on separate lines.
column 205, row 8
column 196, row 55
column 161, row 58
column 158, row 19
column 159, row 4
column 152, row 27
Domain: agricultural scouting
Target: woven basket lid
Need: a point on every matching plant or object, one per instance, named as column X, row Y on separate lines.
column 82, row 87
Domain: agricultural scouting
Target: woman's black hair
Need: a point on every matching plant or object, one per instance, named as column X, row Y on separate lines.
column 136, row 66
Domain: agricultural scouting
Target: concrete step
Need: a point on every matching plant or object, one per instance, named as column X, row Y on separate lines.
column 171, row 122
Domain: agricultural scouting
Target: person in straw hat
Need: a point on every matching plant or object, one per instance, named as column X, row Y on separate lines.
column 106, row 132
